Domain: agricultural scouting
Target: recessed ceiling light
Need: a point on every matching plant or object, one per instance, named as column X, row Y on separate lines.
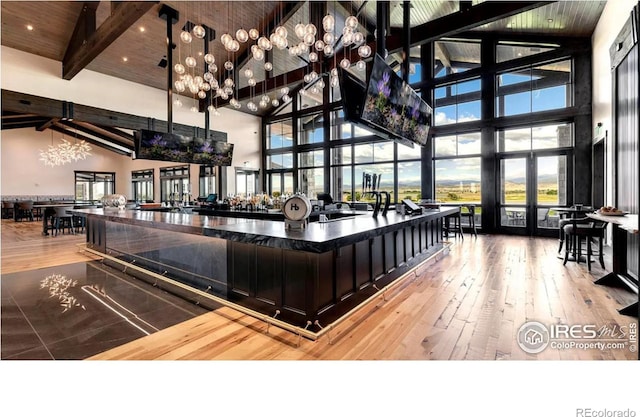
column 550, row 20
column 200, row 53
column 142, row 29
column 125, row 59
column 29, row 27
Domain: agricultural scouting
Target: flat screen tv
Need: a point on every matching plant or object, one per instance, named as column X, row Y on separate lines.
column 211, row 152
column 161, row 146
column 171, row 147
column 392, row 106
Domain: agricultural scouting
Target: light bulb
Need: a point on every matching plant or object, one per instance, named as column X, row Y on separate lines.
column 177, row 103
column 254, row 34
column 206, row 86
column 258, row 55
column 202, row 94
column 328, row 23
column 213, row 68
column 282, row 31
column 207, row 76
column 179, row 68
column 309, row 39
column 364, row 51
column 334, row 72
column 210, row 108
column 313, row 57
column 300, row 30
column 286, row 98
column 228, row 65
column 268, row 66
column 248, row 73
column 328, row 38
column 311, row 29
column 186, row 37
column 358, row 37
column 252, row 82
column 361, row 65
column 179, row 86
column 199, row 32
column 275, row 102
column 284, row 90
column 351, row 22
column 233, row 101
column 319, row 45
column 225, row 39
column 334, row 81
column 263, row 104
column 228, row 82
column 209, row 59
column 190, row 61
column 265, row 98
column 242, row 35
column 194, row 109
column 328, row 50
column 345, row 63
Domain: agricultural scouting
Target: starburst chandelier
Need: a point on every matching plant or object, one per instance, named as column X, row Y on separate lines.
column 65, row 152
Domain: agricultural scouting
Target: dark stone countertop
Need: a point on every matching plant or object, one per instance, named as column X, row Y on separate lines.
column 316, row 237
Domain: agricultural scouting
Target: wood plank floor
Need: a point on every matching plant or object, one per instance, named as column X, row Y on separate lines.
column 468, row 305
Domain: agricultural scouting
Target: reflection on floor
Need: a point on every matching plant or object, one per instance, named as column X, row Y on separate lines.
column 78, row 310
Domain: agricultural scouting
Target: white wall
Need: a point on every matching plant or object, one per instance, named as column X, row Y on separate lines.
column 613, row 18
column 31, row 74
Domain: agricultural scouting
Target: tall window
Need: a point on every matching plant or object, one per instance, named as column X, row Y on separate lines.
column 174, row 184
column 457, row 168
column 207, row 180
column 92, row 186
column 534, row 88
column 142, row 185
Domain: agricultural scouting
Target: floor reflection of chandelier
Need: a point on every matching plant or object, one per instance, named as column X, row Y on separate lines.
column 66, row 152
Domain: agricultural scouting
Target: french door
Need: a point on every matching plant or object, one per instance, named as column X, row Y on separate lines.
column 529, row 186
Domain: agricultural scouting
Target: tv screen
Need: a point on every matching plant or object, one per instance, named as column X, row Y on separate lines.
column 211, row 152
column 171, row 147
column 393, row 106
column 163, row 146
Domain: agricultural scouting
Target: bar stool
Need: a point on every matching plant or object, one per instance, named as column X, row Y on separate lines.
column 63, row 219
column 453, row 224
column 587, row 230
column 24, row 210
column 470, row 214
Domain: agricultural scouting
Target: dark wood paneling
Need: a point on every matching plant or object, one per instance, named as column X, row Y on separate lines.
column 344, row 271
column 389, row 251
column 377, row 257
column 268, row 284
column 363, row 263
column 242, row 268
column 297, row 269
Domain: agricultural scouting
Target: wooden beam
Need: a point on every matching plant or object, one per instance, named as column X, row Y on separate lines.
column 47, row 124
column 50, row 108
column 62, row 130
column 466, row 19
column 124, row 15
column 85, row 27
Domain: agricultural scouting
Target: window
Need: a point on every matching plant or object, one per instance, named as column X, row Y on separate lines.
column 142, row 185
column 246, row 182
column 174, row 184
column 280, row 161
column 207, row 180
column 537, row 137
column 534, row 89
column 456, row 145
column 454, row 56
column 506, row 51
column 458, row 180
column 280, row 134
column 311, row 129
column 92, row 186
column 457, row 103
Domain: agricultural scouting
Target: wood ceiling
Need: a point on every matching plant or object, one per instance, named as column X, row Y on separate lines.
column 54, row 23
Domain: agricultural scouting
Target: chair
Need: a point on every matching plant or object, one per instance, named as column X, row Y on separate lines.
column 562, row 222
column 452, row 224
column 470, row 215
column 585, row 229
column 543, row 217
column 24, row 210
column 63, row 219
column 7, row 209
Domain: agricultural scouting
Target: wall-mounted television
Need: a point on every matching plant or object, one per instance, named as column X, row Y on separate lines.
column 391, row 106
column 162, row 146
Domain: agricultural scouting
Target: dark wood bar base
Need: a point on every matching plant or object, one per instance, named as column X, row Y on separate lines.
column 309, row 289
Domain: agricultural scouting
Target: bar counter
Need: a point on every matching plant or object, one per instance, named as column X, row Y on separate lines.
column 300, row 276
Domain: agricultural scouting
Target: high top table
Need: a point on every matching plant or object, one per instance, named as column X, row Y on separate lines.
column 622, row 227
column 575, row 213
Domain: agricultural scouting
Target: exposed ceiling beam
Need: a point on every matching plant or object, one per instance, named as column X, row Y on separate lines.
column 80, row 53
column 85, row 27
column 466, row 19
column 89, row 129
column 46, row 125
column 443, row 53
column 63, row 130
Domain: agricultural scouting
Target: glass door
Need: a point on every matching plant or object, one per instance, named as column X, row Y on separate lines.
column 530, row 186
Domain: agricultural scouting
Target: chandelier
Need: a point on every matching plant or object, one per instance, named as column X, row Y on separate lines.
column 307, row 42
column 66, row 152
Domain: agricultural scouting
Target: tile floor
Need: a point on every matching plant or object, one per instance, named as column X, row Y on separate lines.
column 78, row 310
